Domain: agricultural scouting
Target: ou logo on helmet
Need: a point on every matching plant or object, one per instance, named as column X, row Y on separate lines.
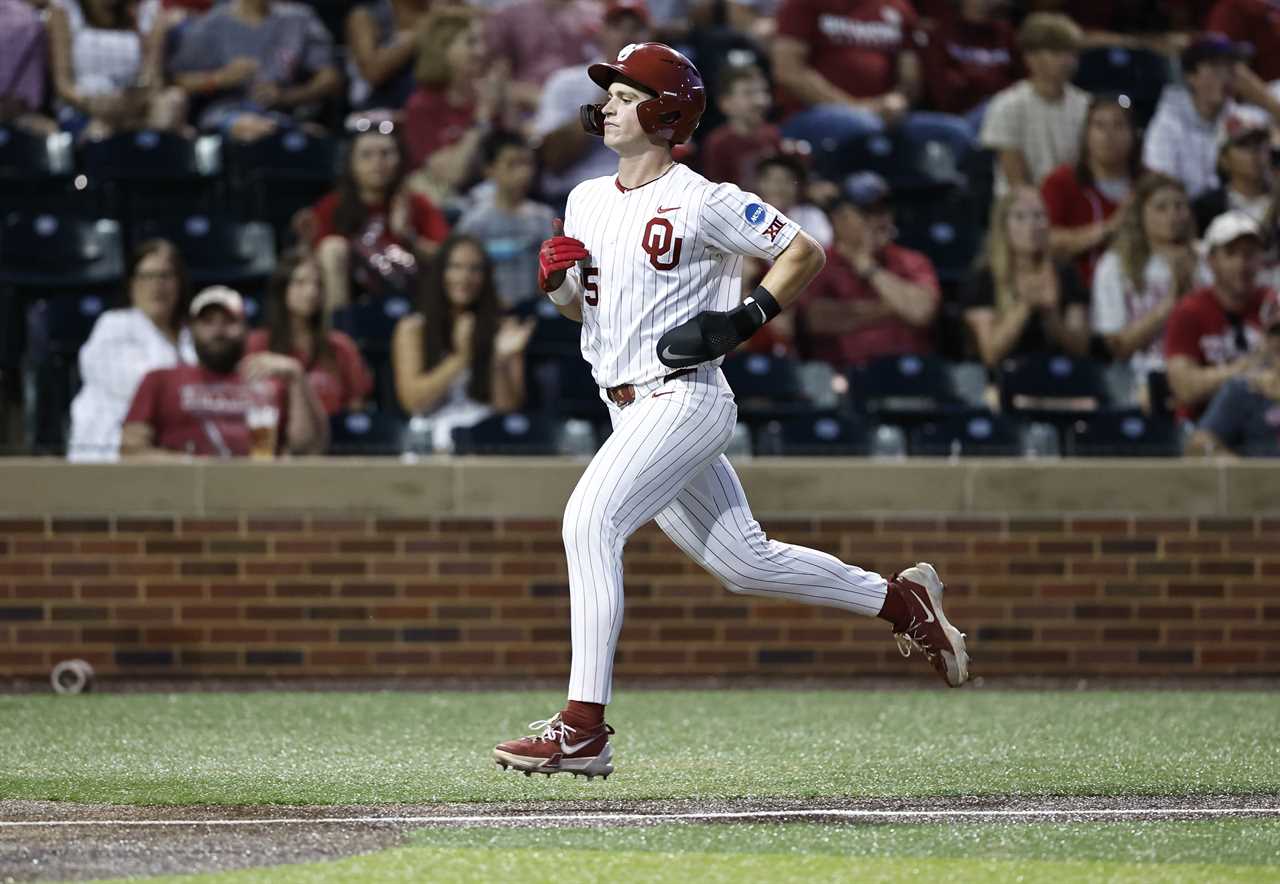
column 659, row 239
column 626, row 51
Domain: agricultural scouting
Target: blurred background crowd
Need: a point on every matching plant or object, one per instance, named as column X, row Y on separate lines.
column 253, row 228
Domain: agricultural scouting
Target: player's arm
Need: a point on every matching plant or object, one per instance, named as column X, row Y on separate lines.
column 798, row 264
column 712, row 333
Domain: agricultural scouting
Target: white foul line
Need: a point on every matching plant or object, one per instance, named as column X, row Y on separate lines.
column 841, row 813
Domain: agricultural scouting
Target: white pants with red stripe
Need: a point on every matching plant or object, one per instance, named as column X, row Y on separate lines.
column 665, row 461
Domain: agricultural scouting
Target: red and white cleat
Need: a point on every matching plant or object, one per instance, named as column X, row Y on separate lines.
column 559, row 749
column 925, row 627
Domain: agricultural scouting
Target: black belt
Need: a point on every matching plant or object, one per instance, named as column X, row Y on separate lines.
column 624, row 394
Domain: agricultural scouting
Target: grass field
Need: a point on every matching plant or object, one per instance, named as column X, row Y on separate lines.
column 705, row 746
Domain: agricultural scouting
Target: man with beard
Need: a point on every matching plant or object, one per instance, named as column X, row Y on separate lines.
column 202, row 410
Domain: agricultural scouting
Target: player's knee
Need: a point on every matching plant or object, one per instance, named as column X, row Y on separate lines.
column 581, row 531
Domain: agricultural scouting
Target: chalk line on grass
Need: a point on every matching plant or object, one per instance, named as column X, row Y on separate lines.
column 791, row 815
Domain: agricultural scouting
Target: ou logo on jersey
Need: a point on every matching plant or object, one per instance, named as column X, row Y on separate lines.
column 659, row 239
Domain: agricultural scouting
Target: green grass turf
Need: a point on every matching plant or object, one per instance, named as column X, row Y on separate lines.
column 1201, row 851
column 339, row 748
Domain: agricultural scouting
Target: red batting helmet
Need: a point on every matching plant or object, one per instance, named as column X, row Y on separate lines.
column 676, row 84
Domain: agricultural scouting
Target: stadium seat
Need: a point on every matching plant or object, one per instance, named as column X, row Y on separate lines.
column 1138, row 74
column 1127, row 433
column 815, row 435
column 943, row 229
column 371, row 323
column 273, row 177
column 562, row 386
column 1051, row 388
column 766, row 387
column 970, row 433
column 903, row 389
column 36, row 171
column 554, row 335
column 370, row 434
column 46, row 252
column 509, row 434
column 217, row 249
column 154, row 173
column 907, row 160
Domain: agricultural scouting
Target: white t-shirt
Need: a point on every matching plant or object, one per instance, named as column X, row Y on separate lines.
column 122, row 348
column 1047, row 133
column 661, row 254
column 1118, row 302
column 562, row 98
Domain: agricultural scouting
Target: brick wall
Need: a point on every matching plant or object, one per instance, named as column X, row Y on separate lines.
column 475, row 597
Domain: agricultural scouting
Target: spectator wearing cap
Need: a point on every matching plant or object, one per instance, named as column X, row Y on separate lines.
column 125, row 344
column 1213, row 334
column 731, row 151
column 568, row 154
column 258, row 65
column 1082, row 197
column 1182, row 138
column 1243, row 418
column 1244, row 170
column 1255, row 21
column 874, row 297
column 1019, row 300
column 1034, row 126
column 202, row 409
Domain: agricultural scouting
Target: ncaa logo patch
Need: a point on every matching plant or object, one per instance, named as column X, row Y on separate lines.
column 754, row 213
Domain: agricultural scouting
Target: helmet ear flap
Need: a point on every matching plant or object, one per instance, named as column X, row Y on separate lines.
column 592, row 118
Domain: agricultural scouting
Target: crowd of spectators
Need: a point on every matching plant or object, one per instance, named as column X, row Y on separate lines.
column 1146, row 243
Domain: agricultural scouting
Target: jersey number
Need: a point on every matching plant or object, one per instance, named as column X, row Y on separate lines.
column 659, row 239
column 592, row 288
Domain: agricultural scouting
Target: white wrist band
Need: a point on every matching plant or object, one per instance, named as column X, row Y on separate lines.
column 566, row 293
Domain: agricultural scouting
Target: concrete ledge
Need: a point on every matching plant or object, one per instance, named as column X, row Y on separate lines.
column 539, row 487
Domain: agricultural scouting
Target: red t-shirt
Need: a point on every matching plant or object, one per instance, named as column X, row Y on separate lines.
column 965, row 63
column 1201, row 330
column 1071, row 204
column 336, row 383
column 432, row 122
column 427, row 220
column 201, row 412
column 854, row 44
column 889, row 336
column 1251, row 21
column 729, row 156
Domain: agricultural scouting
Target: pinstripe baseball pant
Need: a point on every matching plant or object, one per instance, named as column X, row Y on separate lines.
column 665, row 460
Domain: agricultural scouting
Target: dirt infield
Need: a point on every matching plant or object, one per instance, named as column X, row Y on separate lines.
column 58, row 841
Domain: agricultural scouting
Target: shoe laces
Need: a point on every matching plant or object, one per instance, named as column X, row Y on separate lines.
column 914, row 637
column 553, row 728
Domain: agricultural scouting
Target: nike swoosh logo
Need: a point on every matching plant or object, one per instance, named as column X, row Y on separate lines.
column 668, row 209
column 664, row 393
column 764, row 317
column 667, row 354
column 569, row 749
column 928, row 612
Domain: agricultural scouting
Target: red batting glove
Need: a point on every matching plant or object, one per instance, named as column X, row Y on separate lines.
column 558, row 254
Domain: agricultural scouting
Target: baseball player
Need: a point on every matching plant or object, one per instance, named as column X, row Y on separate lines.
column 650, row 261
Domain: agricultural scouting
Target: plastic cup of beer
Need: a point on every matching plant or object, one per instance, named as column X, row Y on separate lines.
column 263, row 418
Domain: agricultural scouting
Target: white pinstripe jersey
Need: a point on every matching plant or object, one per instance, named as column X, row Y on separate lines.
column 661, row 253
